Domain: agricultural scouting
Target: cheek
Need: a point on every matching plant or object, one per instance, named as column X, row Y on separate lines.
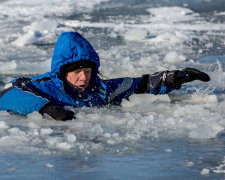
column 71, row 78
column 89, row 77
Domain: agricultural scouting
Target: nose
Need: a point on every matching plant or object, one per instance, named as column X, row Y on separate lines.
column 83, row 75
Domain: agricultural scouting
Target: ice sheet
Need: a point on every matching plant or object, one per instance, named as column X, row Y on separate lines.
column 162, row 26
column 158, row 38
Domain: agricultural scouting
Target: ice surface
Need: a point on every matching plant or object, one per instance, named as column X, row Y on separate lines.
column 220, row 168
column 6, row 67
column 168, row 151
column 3, row 125
column 172, row 15
column 144, row 99
column 135, row 35
column 190, row 164
column 49, row 165
column 166, row 24
column 174, row 57
column 157, row 38
column 205, row 171
column 46, row 131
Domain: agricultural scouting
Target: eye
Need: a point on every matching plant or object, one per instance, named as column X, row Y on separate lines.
column 88, row 71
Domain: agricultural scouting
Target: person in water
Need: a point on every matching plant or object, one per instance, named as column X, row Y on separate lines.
column 73, row 81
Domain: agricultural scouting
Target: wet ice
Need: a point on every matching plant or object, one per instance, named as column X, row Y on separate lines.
column 148, row 126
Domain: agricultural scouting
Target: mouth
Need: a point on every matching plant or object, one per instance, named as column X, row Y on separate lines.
column 81, row 87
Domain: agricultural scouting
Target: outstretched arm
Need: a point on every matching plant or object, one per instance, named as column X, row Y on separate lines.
column 166, row 81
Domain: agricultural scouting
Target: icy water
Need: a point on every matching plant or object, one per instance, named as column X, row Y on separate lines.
column 175, row 136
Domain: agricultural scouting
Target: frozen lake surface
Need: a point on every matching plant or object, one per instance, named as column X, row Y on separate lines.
column 175, row 136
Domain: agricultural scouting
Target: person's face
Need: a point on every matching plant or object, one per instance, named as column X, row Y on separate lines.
column 79, row 79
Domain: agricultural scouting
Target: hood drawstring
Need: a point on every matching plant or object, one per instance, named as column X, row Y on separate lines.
column 62, row 88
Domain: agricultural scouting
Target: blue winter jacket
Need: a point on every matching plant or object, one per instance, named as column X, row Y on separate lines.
column 27, row 95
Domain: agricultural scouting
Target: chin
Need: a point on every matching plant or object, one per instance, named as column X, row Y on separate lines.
column 81, row 89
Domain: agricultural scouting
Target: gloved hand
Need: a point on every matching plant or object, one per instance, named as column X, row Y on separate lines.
column 166, row 81
column 190, row 74
column 56, row 112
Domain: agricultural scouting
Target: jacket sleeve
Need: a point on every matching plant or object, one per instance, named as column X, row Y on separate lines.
column 20, row 102
column 165, row 81
column 120, row 88
column 158, row 83
column 46, row 91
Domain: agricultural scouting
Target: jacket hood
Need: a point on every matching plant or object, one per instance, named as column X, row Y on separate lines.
column 72, row 47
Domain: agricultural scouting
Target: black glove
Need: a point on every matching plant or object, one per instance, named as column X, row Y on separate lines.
column 56, row 112
column 188, row 75
column 169, row 79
